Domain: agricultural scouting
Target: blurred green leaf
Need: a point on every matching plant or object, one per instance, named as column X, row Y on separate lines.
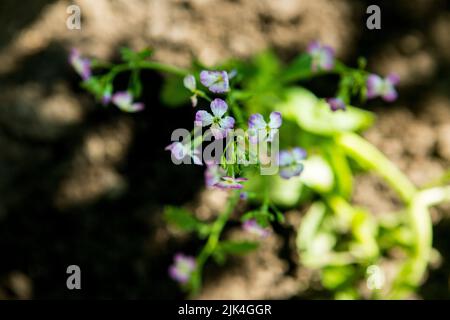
column 182, row 219
column 310, row 225
column 173, row 93
column 300, row 68
column 317, row 174
column 237, row 247
column 129, row 55
column 336, row 276
column 341, row 169
column 315, row 116
column 285, row 192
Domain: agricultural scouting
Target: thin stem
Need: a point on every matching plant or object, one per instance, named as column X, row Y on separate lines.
column 151, row 65
column 213, row 241
column 162, row 67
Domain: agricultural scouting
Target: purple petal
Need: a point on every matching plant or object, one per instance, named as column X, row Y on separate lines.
column 229, row 183
column 393, row 78
column 313, row 47
column 275, row 120
column 178, row 276
column 390, row 94
column 189, row 82
column 106, row 98
column 251, row 226
column 253, row 136
column 256, row 121
column 218, row 132
column 122, row 99
column 285, row 158
column 177, row 149
column 203, row 118
column 216, row 81
column 227, row 123
column 298, row 153
column 374, row 85
column 81, row 65
column 182, row 268
column 327, row 58
column 213, row 174
column 219, row 107
column 208, row 78
column 336, row 104
column 135, row 107
column 291, row 171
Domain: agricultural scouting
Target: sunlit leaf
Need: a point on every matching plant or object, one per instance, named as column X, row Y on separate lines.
column 314, row 115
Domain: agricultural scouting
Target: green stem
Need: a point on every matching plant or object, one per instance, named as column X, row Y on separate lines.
column 212, row 242
column 411, row 272
column 151, row 65
column 365, row 153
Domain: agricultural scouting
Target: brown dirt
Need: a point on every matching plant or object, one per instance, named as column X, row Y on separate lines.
column 92, row 182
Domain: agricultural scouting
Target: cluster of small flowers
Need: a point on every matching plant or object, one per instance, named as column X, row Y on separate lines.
column 323, row 58
column 220, row 124
column 215, row 176
column 122, row 99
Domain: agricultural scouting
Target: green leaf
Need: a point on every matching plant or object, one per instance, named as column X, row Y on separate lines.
column 310, row 225
column 182, row 219
column 300, row 68
column 145, row 53
column 336, row 276
column 127, row 54
column 315, row 116
column 317, row 174
column 278, row 214
column 173, row 93
column 237, row 247
column 285, row 192
column 94, row 86
column 344, row 179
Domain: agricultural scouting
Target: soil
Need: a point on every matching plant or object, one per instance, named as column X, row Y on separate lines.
column 86, row 185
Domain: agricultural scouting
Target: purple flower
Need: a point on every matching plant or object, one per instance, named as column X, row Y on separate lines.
column 215, row 81
column 124, row 101
column 179, row 151
column 213, row 173
column 243, row 195
column 189, row 83
column 81, row 65
column 290, row 162
column 260, row 130
column 385, row 88
column 182, row 268
column 322, row 56
column 230, row 183
column 219, row 125
column 251, row 226
column 106, row 98
column 336, row 104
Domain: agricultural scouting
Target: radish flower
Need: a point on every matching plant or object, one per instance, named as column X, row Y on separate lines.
column 220, row 125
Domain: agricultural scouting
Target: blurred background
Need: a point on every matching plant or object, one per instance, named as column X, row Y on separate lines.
column 85, row 185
